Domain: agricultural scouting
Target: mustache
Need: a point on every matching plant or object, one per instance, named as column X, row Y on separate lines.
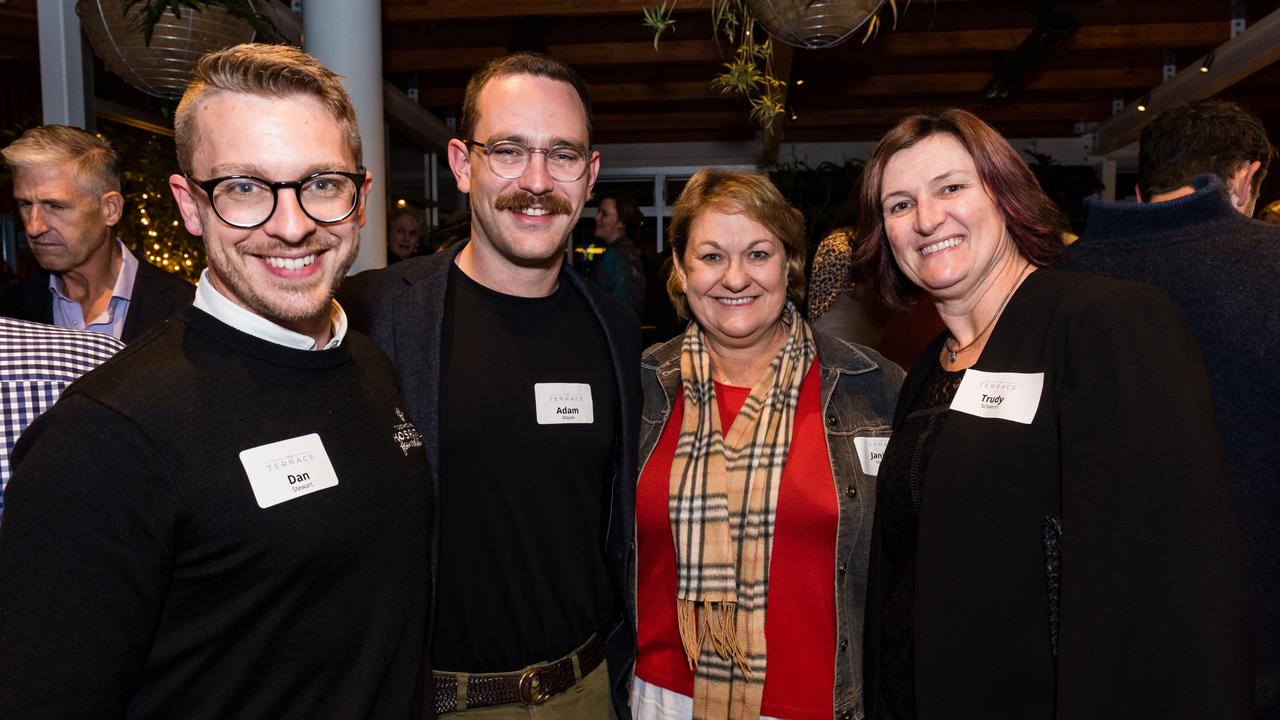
column 522, row 199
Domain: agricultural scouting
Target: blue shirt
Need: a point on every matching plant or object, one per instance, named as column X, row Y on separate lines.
column 37, row 362
column 68, row 313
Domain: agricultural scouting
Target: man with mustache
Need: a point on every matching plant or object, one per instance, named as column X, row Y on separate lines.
column 231, row 519
column 524, row 380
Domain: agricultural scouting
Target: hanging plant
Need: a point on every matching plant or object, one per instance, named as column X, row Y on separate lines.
column 750, row 72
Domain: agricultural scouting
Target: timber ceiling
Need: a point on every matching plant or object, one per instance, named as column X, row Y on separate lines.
column 943, row 53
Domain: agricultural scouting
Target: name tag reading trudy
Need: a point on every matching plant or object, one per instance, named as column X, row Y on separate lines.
column 1006, row 396
column 870, row 453
column 563, row 403
column 288, row 469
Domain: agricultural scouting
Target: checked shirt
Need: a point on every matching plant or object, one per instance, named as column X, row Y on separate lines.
column 36, row 363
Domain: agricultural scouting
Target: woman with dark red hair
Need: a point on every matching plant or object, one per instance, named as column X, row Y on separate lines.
column 1054, row 533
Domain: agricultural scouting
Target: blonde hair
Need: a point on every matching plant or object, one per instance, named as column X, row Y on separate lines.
column 96, row 164
column 733, row 192
column 267, row 71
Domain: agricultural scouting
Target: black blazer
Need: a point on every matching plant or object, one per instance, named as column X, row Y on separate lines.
column 1152, row 615
column 402, row 308
column 157, row 296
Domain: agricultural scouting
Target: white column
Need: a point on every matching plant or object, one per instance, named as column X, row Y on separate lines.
column 347, row 37
column 1109, row 189
column 62, row 64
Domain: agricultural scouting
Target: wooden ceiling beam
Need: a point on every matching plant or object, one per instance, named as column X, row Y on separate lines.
column 576, row 54
column 852, row 87
column 419, row 11
column 904, row 44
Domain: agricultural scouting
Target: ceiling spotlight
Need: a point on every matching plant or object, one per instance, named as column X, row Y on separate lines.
column 1208, row 62
column 1143, row 102
column 800, row 82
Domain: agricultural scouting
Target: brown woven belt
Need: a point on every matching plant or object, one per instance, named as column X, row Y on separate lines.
column 534, row 685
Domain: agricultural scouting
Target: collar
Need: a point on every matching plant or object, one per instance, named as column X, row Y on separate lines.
column 123, row 287
column 1133, row 221
column 221, row 307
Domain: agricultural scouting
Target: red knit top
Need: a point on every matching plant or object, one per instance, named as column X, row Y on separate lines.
column 800, row 625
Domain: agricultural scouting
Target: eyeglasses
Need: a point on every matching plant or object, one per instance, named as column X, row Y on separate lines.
column 509, row 159
column 245, row 201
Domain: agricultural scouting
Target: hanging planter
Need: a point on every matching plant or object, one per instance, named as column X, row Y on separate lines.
column 813, row 24
column 153, row 47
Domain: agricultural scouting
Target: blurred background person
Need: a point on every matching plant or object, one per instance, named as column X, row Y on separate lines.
column 405, row 229
column 1054, row 535
column 619, row 270
column 1201, row 166
column 752, row 421
column 66, row 183
column 838, row 305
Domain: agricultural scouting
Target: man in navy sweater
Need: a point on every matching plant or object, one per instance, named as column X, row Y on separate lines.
column 232, row 517
column 1201, row 166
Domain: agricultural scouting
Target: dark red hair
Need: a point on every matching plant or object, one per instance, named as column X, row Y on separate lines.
column 1034, row 223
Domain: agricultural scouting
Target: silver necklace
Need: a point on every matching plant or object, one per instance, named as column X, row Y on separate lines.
column 952, row 344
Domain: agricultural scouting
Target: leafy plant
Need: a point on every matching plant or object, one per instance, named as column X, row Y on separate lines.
column 750, row 72
column 153, row 10
column 659, row 20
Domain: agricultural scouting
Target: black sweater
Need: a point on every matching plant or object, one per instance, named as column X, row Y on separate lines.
column 1222, row 271
column 141, row 577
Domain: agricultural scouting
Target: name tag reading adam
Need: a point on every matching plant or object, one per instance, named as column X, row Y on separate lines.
column 288, row 469
column 563, row 403
column 870, row 453
column 1007, row 396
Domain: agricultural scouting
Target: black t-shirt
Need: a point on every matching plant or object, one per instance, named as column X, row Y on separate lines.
column 523, row 505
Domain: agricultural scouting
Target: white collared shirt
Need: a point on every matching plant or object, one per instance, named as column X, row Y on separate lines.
column 221, row 307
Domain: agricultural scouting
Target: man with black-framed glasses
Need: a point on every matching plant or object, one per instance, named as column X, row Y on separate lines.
column 524, row 379
column 232, row 519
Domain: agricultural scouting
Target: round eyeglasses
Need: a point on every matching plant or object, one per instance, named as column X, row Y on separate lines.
column 509, row 159
column 245, row 201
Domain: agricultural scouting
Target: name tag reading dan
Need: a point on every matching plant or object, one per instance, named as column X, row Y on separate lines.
column 870, row 453
column 563, row 403
column 1007, row 396
column 288, row 469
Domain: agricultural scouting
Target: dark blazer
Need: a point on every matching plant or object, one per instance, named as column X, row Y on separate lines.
column 157, row 296
column 402, row 308
column 1151, row 616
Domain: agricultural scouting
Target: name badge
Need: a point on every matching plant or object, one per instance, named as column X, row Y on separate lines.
column 870, row 453
column 288, row 469
column 1006, row 396
column 563, row 403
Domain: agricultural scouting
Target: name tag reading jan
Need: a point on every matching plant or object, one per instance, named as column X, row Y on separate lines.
column 1006, row 396
column 288, row 469
column 870, row 453
column 563, row 403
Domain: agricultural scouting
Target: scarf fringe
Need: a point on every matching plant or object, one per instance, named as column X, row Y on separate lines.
column 719, row 623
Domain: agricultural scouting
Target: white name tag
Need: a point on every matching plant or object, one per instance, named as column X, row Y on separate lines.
column 870, row 453
column 1007, row 396
column 288, row 469
column 563, row 403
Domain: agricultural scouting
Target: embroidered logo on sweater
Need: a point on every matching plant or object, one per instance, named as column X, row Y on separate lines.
column 405, row 434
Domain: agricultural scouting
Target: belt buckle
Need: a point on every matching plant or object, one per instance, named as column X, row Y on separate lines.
column 531, row 689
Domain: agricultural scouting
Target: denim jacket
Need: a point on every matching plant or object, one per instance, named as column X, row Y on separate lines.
column 859, row 389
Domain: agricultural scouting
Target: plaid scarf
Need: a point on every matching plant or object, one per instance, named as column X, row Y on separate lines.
column 723, row 499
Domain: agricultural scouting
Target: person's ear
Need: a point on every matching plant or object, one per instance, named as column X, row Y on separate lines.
column 460, row 164
column 112, row 203
column 1240, row 186
column 182, row 191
